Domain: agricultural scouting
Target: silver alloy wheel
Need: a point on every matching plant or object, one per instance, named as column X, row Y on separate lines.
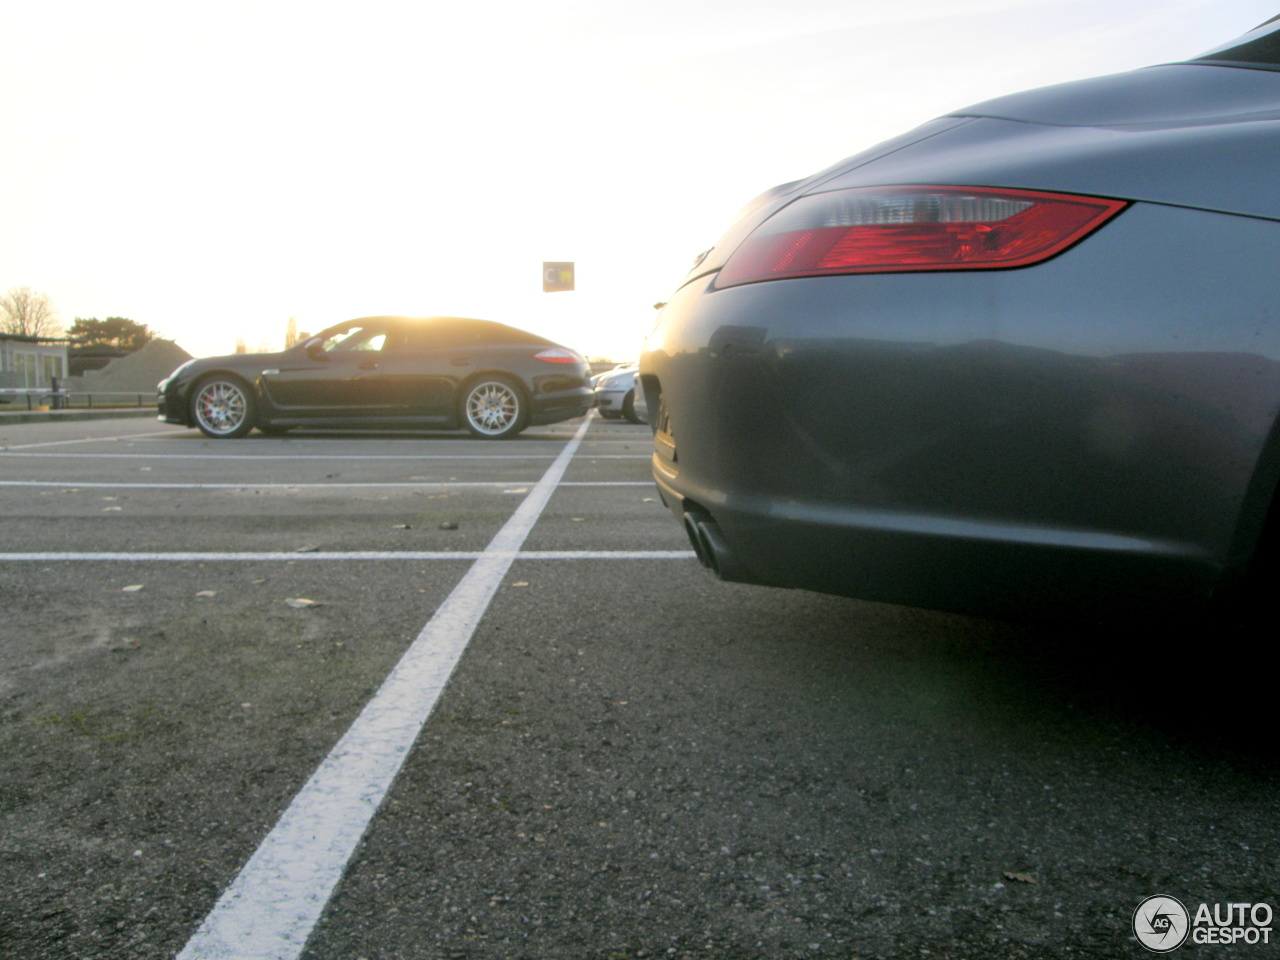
column 222, row 408
column 493, row 409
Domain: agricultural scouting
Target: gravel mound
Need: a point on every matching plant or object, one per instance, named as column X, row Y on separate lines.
column 139, row 372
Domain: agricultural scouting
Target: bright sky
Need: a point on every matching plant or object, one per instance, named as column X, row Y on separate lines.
column 213, row 169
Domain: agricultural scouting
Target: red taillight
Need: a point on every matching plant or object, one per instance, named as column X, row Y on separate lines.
column 558, row 355
column 896, row 229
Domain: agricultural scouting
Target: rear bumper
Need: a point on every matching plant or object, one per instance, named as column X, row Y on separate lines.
column 941, row 562
column 555, row 408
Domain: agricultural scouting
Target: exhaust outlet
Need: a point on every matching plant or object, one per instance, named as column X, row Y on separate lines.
column 712, row 549
column 692, row 524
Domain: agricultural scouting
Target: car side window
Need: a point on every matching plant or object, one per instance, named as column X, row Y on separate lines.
column 375, row 342
column 371, row 339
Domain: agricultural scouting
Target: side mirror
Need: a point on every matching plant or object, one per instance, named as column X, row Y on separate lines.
column 315, row 349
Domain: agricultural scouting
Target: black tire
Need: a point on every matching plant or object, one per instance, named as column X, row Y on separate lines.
column 629, row 408
column 222, row 406
column 610, row 414
column 494, row 407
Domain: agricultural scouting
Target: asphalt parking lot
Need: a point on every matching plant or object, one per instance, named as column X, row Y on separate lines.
column 335, row 696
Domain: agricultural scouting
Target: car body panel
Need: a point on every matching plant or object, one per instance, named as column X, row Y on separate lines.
column 1092, row 435
column 345, row 385
column 1186, row 166
column 1174, row 95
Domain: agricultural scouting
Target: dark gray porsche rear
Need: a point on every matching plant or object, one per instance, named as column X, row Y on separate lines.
column 1090, row 433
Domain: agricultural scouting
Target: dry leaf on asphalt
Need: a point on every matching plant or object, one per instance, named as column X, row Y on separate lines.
column 1021, row 877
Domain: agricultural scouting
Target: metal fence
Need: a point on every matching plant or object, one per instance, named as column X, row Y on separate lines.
column 42, row 398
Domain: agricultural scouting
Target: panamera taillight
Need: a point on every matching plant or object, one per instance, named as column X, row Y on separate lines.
column 910, row 228
column 558, row 355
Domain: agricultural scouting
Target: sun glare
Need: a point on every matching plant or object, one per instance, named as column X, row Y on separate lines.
column 213, row 171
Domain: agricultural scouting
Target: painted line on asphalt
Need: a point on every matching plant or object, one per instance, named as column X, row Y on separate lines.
column 387, row 439
column 9, row 453
column 372, row 485
column 271, row 908
column 348, row 555
column 60, row 443
column 273, row 456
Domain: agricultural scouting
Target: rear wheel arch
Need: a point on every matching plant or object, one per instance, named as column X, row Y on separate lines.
column 1253, row 565
column 1253, row 587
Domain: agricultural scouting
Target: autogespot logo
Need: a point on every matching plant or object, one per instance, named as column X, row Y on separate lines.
column 1161, row 924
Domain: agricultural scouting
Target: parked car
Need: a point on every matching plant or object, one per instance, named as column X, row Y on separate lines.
column 1022, row 360
column 596, row 378
column 616, row 394
column 383, row 372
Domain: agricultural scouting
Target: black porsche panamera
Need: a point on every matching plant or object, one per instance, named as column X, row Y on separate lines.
column 386, row 372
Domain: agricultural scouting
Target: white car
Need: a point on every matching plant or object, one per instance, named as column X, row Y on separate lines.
column 616, row 394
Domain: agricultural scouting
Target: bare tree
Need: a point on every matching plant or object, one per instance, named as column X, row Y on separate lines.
column 291, row 333
column 28, row 314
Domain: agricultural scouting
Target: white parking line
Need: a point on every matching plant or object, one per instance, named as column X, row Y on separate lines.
column 5, row 454
column 167, row 435
column 372, row 485
column 9, row 453
column 348, row 555
column 59, row 443
column 270, row 909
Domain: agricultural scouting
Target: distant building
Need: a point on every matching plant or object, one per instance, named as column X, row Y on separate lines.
column 82, row 360
column 31, row 361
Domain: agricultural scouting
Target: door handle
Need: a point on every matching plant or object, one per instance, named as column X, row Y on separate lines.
column 369, row 365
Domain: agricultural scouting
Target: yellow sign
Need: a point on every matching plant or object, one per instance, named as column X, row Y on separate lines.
column 556, row 277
